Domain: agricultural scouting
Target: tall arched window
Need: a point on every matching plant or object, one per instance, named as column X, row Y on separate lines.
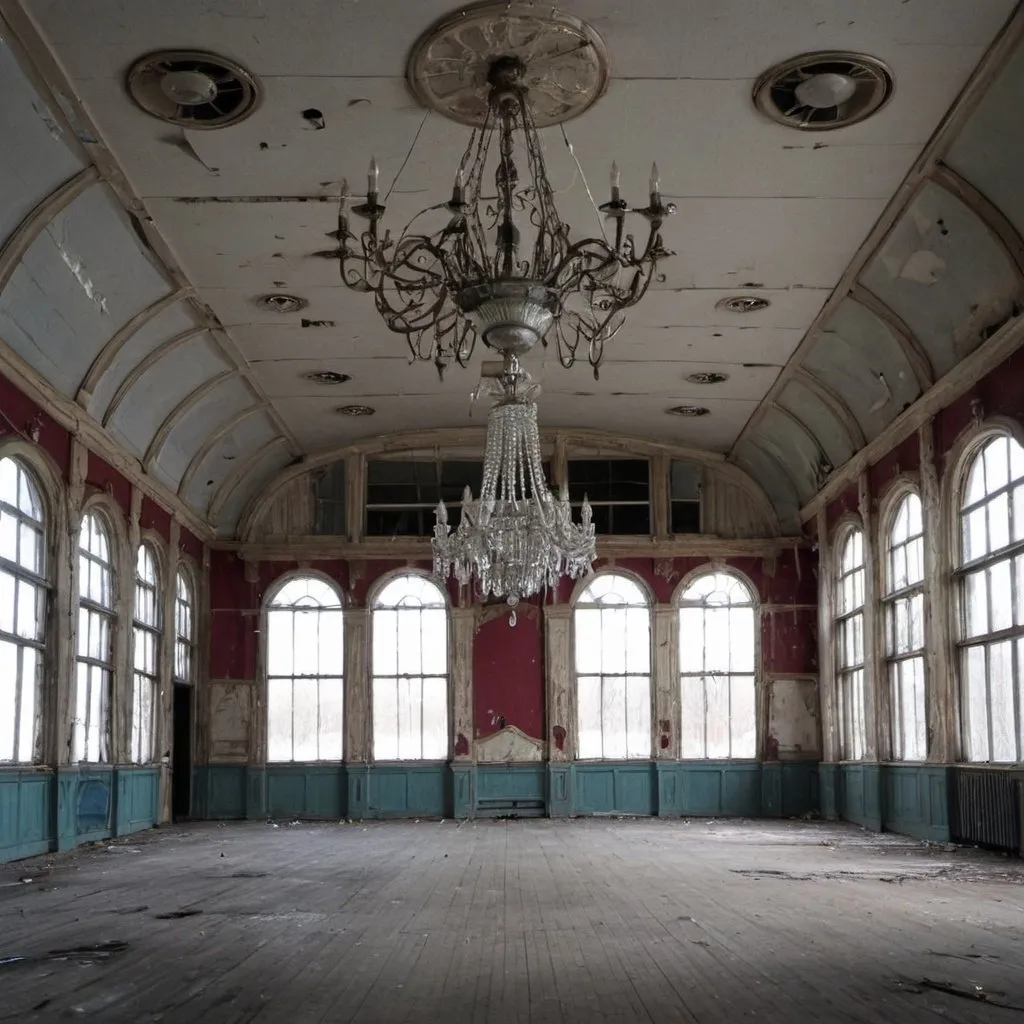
column 22, row 610
column 903, row 605
column 410, row 671
column 991, row 578
column 849, row 641
column 305, row 669
column 95, row 663
column 717, row 643
column 146, row 655
column 184, row 628
column 612, row 626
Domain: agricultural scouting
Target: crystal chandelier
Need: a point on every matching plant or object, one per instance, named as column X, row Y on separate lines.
column 502, row 267
column 517, row 537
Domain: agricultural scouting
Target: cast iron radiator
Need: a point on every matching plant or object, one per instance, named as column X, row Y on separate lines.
column 987, row 808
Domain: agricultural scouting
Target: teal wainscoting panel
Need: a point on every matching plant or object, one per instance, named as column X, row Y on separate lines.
column 507, row 789
column 67, row 787
column 308, row 791
column 620, row 787
column 403, row 791
column 27, row 819
column 828, row 790
column 463, row 789
column 771, row 790
column 255, row 792
column 916, row 800
column 358, row 779
column 138, row 798
column 860, row 796
column 559, row 789
column 94, row 798
column 670, row 788
column 220, row 791
column 799, row 788
column 721, row 788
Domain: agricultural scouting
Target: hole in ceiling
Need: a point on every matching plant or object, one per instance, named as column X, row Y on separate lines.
column 193, row 88
column 689, row 410
column 355, row 410
column 315, row 117
column 317, row 323
column 742, row 304
column 707, row 377
column 327, row 377
column 280, row 302
column 825, row 90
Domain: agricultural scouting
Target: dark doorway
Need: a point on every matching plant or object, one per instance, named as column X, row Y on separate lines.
column 181, row 763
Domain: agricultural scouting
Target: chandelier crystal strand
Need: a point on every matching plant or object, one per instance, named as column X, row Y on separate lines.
column 517, row 538
column 503, row 267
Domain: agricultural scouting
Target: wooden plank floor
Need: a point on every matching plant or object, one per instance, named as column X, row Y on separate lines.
column 527, row 921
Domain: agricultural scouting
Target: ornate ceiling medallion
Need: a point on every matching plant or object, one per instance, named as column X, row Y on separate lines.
column 565, row 60
column 193, row 89
column 821, row 91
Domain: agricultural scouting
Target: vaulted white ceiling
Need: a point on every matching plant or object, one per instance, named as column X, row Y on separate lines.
column 887, row 258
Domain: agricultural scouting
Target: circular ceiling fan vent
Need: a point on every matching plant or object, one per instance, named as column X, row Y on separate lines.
column 279, row 302
column 708, row 377
column 327, row 377
column 821, row 91
column 355, row 410
column 689, row 410
column 193, row 89
column 743, row 304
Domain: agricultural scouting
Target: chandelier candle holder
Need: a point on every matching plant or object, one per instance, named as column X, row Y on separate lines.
column 503, row 267
column 517, row 537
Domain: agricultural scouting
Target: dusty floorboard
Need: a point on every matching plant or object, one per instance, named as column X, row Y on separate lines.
column 540, row 921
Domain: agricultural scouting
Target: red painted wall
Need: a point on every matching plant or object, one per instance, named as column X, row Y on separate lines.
column 508, row 673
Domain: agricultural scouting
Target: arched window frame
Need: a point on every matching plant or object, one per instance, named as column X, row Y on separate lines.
column 183, row 669
column 848, row 634
column 147, row 650
column 978, row 742
column 29, row 643
column 636, row 743
column 748, row 743
column 379, row 681
column 96, row 664
column 903, row 622
column 333, row 698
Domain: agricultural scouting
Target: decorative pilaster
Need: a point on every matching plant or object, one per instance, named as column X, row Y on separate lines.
column 163, row 740
column 358, row 738
column 664, row 727
column 124, row 567
column 876, row 698
column 463, row 633
column 939, row 678
column 830, row 747
column 560, row 738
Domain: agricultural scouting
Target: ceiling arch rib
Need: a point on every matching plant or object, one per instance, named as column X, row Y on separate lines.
column 182, row 409
column 35, row 223
column 244, row 471
column 211, row 442
column 820, row 419
column 836, row 405
column 912, row 349
column 773, row 479
column 103, row 361
column 791, row 441
column 147, row 364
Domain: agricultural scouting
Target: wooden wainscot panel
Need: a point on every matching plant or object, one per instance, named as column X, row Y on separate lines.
column 230, row 718
column 793, row 726
column 509, row 744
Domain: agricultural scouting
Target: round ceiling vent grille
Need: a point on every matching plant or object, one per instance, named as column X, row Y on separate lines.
column 327, row 377
column 743, row 304
column 355, row 410
column 821, row 91
column 278, row 302
column 193, row 89
column 708, row 377
column 689, row 410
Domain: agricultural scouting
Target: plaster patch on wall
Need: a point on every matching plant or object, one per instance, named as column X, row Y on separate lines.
column 230, row 717
column 510, row 744
column 793, row 717
column 75, row 265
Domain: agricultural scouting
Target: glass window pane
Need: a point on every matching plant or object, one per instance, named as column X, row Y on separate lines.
column 410, row 661
column 976, row 603
column 385, row 642
column 692, row 735
column 306, row 642
column 435, row 719
column 410, row 718
column 8, row 536
column 1000, row 595
column 716, row 689
column 638, row 716
column 638, row 640
column 976, row 704
column 385, row 719
column 8, row 588
column 691, row 639
column 613, row 716
column 916, row 603
column 1018, row 512
column 613, row 640
column 587, row 628
column 999, row 522
column 1001, row 710
column 434, row 631
column 588, row 709
column 996, row 455
column 716, row 639
column 8, row 698
column 279, row 719
column 975, row 534
column 743, row 726
column 31, row 667
column 305, row 719
column 332, row 705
